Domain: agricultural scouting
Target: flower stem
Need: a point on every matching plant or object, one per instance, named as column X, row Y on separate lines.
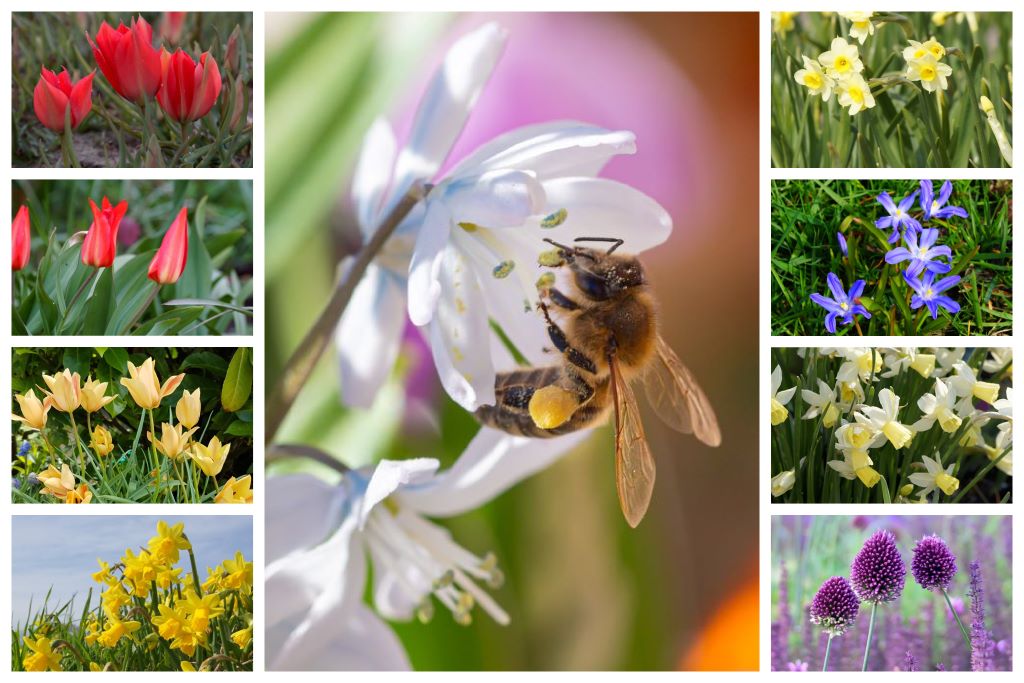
column 152, row 449
column 281, row 451
column 195, row 570
column 302, row 361
column 78, row 445
column 828, row 647
column 871, row 630
column 963, row 630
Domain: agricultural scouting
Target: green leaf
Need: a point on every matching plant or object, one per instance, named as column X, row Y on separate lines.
column 205, row 360
column 239, row 428
column 117, row 358
column 238, row 381
column 132, row 279
column 100, row 304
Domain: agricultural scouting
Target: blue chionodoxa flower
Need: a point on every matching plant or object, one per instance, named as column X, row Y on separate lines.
column 842, row 244
column 928, row 292
column 845, row 304
column 934, row 207
column 921, row 252
column 899, row 216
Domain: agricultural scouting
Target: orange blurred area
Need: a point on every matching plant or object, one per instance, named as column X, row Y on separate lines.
column 729, row 641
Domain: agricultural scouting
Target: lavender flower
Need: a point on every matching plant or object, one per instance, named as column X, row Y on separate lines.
column 934, row 207
column 928, row 293
column 844, row 306
column 910, row 662
column 921, row 252
column 982, row 645
column 798, row 665
column 933, row 564
column 842, row 244
column 898, row 217
column 835, row 606
column 878, row 572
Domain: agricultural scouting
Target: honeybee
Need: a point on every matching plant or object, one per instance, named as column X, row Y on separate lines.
column 608, row 337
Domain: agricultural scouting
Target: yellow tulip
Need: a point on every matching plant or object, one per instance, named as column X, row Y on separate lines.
column 57, row 483
column 102, row 443
column 210, row 458
column 93, row 397
column 65, row 392
column 173, row 441
column 33, row 411
column 80, row 495
column 235, row 491
column 188, row 408
column 145, row 387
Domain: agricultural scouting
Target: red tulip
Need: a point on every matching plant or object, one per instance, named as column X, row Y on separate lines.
column 188, row 90
column 128, row 59
column 21, row 239
column 55, row 94
column 169, row 262
column 100, row 245
column 171, row 24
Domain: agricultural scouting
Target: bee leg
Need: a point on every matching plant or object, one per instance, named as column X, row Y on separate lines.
column 574, row 355
column 561, row 300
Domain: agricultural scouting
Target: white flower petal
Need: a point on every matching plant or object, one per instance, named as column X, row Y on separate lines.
column 391, row 593
column 391, row 475
column 372, row 175
column 424, row 268
column 557, row 148
column 445, row 106
column 369, row 336
column 492, row 462
column 354, row 641
column 495, row 199
column 460, row 333
column 776, row 379
column 785, row 396
column 302, row 510
column 598, row 207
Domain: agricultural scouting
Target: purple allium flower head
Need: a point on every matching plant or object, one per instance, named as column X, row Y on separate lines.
column 910, row 662
column 835, row 606
column 939, row 666
column 899, row 216
column 928, row 292
column 921, row 252
column 798, row 665
column 842, row 244
column 861, row 522
column 933, row 564
column 982, row 645
column 878, row 572
column 844, row 306
column 933, row 206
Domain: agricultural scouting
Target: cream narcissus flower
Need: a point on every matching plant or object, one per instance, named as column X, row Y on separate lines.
column 931, row 72
column 897, row 360
column 235, row 491
column 94, row 395
column 886, row 419
column 814, row 78
column 782, row 482
column 965, row 384
column 855, row 93
column 821, row 403
column 783, row 22
column 860, row 25
column 145, row 387
column 861, row 364
column 935, row 477
column 938, row 407
column 856, row 464
column 916, row 51
column 210, row 458
column 65, row 390
column 779, row 412
column 842, row 60
column 999, row 360
column 33, row 411
column 946, row 358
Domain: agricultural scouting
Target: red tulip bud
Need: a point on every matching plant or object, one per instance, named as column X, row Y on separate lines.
column 128, row 59
column 100, row 245
column 21, row 239
column 55, row 94
column 189, row 90
column 169, row 262
column 171, row 24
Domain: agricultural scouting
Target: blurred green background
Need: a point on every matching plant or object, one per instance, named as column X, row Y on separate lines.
column 583, row 590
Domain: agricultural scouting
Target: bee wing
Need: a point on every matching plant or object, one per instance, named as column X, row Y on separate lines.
column 634, row 464
column 677, row 398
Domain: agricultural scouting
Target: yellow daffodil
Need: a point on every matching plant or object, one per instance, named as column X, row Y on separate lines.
column 783, row 22
column 43, row 658
column 201, row 610
column 93, row 395
column 33, row 411
column 842, row 60
column 140, row 571
column 235, row 491
column 115, row 598
column 65, row 390
column 210, row 458
column 102, row 443
column 779, row 412
column 168, row 542
column 965, row 384
column 92, row 632
column 188, row 409
column 855, row 93
column 935, row 477
column 814, row 78
column 242, row 638
column 117, row 629
column 885, row 419
column 103, row 575
column 145, row 387
column 237, row 573
column 938, row 407
column 931, row 72
column 187, row 665
column 173, row 441
column 860, row 25
column 168, row 577
column 856, row 464
column 782, row 482
column 170, row 622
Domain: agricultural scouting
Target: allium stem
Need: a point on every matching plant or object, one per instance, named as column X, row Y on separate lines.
column 871, row 630
column 302, row 361
column 828, row 647
column 963, row 629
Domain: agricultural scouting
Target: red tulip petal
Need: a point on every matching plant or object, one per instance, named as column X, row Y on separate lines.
column 49, row 103
column 81, row 100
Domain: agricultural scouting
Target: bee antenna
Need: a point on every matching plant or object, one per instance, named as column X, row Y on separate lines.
column 617, row 242
column 567, row 249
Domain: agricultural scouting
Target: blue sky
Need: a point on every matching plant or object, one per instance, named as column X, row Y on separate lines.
column 61, row 551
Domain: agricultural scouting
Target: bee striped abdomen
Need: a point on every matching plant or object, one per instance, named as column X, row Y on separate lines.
column 513, row 391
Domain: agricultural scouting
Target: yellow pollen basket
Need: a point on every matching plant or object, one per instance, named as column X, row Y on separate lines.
column 552, row 406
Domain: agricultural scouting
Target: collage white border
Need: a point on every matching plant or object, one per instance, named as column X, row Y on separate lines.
column 766, row 341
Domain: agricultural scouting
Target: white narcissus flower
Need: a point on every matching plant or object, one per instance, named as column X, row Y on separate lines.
column 854, row 436
column 862, row 364
column 945, row 359
column 319, row 535
column 855, row 93
column 916, row 51
column 999, row 359
column 938, row 407
column 935, row 477
column 842, row 60
column 814, row 78
column 856, row 464
column 822, row 402
column 885, row 419
column 965, row 384
column 370, row 331
column 897, row 360
column 931, row 72
column 860, row 25
column 779, row 412
column 782, row 482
